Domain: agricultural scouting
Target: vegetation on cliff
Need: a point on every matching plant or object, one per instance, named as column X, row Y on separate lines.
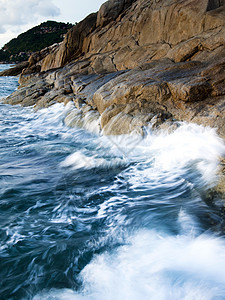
column 35, row 39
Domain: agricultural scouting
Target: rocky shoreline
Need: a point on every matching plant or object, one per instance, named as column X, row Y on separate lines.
column 135, row 63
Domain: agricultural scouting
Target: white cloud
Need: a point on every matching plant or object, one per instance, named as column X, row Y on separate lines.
column 17, row 16
column 76, row 10
column 21, row 12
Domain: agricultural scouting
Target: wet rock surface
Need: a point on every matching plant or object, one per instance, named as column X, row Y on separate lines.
column 190, row 91
column 135, row 63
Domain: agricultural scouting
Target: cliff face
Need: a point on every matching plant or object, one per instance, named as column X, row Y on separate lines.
column 130, row 33
column 135, row 63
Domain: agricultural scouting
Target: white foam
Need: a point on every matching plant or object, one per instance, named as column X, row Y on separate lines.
column 78, row 160
column 188, row 224
column 92, row 122
column 189, row 146
column 89, row 120
column 156, row 267
column 64, row 294
column 168, row 156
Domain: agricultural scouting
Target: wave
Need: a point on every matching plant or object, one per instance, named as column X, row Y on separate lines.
column 154, row 266
column 112, row 217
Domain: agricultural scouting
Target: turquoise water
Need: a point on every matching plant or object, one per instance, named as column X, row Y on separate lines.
column 84, row 216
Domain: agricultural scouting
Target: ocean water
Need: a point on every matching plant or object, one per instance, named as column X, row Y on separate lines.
column 83, row 216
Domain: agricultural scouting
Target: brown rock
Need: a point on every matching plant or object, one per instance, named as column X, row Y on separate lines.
column 110, row 112
column 122, row 124
column 216, row 75
column 71, row 47
column 171, row 60
column 15, row 70
column 190, row 90
column 136, row 63
column 110, row 10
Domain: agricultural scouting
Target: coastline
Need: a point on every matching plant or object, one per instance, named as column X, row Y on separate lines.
column 112, row 166
column 134, row 65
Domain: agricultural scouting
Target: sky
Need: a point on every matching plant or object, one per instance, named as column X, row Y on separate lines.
column 17, row 16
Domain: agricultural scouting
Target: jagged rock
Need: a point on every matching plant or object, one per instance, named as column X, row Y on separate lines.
column 135, row 63
column 190, row 90
column 71, row 47
column 215, row 74
column 110, row 10
column 35, row 60
column 138, row 57
column 79, row 102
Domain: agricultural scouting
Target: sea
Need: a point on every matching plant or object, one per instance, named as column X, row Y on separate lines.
column 90, row 217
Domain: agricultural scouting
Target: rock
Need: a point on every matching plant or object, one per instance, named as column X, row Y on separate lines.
column 136, row 63
column 185, row 50
column 123, row 124
column 137, row 58
column 150, row 30
column 109, row 113
column 35, row 60
column 214, row 4
column 215, row 73
column 38, row 56
column 15, row 70
column 79, row 102
column 71, row 47
column 190, row 90
column 110, row 10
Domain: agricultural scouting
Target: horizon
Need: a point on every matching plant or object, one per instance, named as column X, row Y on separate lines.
column 36, row 12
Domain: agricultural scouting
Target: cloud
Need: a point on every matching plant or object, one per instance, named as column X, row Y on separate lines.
column 21, row 12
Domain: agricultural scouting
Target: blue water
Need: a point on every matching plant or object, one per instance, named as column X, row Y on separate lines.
column 84, row 216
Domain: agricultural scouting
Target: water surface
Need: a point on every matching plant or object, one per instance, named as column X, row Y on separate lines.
column 84, row 216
